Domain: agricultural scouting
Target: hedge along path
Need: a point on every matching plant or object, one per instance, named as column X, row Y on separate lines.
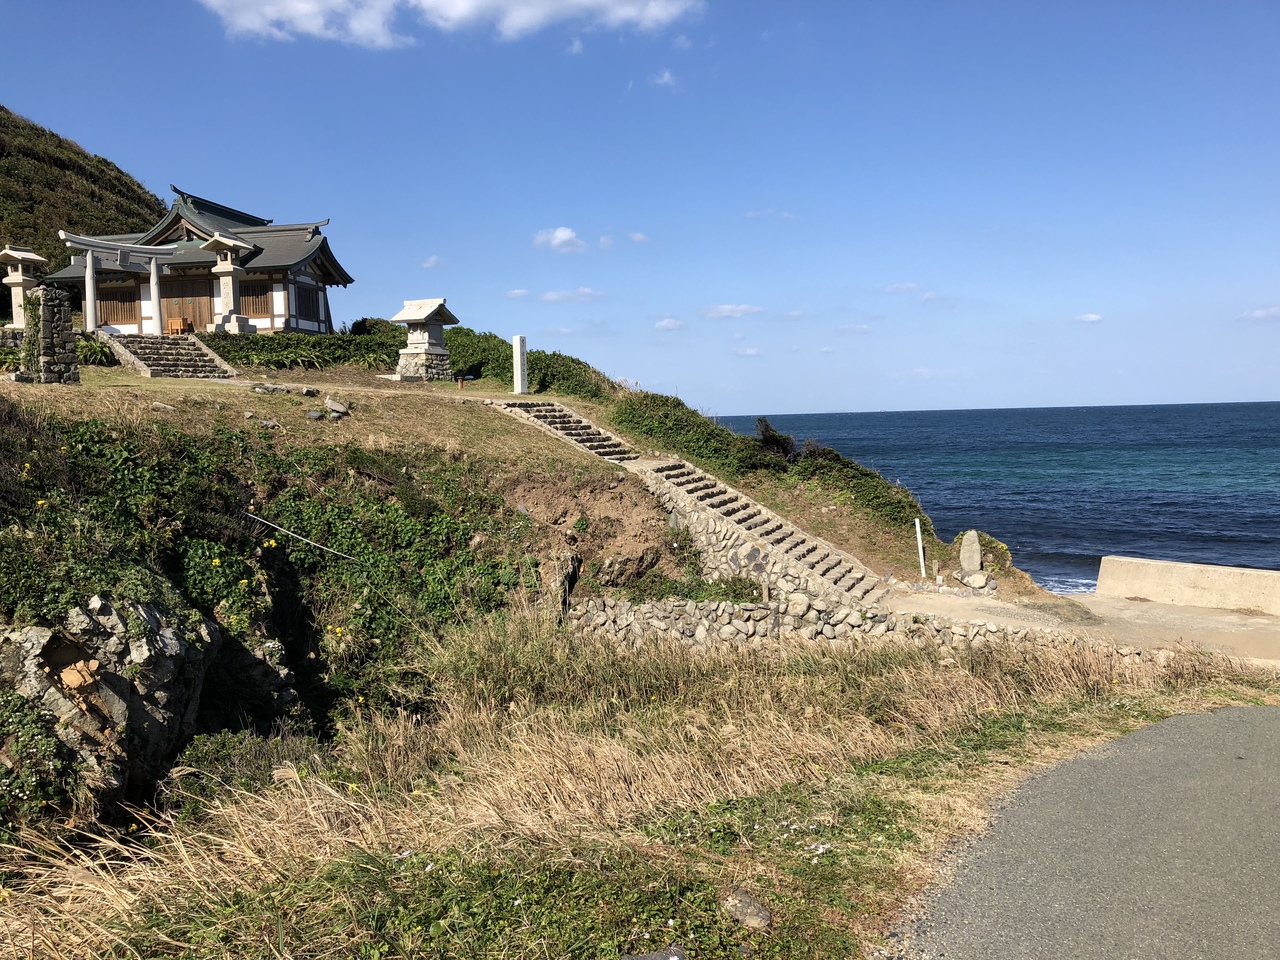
column 738, row 537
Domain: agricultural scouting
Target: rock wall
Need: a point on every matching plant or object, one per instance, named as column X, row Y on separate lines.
column 702, row 625
column 123, row 684
column 415, row 365
column 10, row 339
column 56, row 353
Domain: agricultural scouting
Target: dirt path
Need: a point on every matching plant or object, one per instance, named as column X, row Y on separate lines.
column 1123, row 622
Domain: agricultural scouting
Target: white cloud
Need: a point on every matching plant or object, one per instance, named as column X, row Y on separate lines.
column 517, row 293
column 902, row 288
column 793, row 315
column 1089, row 317
column 575, row 46
column 855, row 328
column 663, row 79
column 581, row 295
column 747, row 351
column 730, row 311
column 562, row 239
column 431, row 261
column 827, row 350
column 606, row 242
column 371, row 23
column 638, row 237
column 927, row 296
column 739, row 336
column 1264, row 313
column 668, row 323
column 563, row 330
column 771, row 212
column 681, row 42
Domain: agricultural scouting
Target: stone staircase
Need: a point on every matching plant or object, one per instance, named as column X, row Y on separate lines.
column 848, row 579
column 569, row 425
column 169, row 356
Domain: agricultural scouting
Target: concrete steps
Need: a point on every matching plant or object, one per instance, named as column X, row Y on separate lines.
column 172, row 356
column 574, row 429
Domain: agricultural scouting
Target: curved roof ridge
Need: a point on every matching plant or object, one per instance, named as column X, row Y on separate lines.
column 201, row 205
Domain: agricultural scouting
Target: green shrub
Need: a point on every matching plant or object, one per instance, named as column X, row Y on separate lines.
column 480, row 355
column 567, row 375
column 669, row 422
column 283, row 351
column 92, row 352
column 9, row 360
column 35, row 766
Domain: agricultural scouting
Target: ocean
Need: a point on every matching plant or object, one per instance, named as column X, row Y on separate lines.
column 1064, row 486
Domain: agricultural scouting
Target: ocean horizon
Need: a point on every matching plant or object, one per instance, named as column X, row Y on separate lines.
column 1065, row 486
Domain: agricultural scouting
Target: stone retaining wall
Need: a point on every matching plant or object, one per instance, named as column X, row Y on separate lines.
column 703, row 625
column 10, row 338
column 1191, row 584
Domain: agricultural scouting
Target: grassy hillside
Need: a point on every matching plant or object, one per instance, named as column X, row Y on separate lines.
column 469, row 778
column 49, row 183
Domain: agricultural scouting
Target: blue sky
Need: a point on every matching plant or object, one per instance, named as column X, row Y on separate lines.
column 763, row 207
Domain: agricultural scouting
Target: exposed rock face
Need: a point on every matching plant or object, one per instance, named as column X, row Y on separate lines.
column 621, row 570
column 970, row 553
column 124, row 685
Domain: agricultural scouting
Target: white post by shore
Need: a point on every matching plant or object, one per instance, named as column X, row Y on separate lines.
column 920, row 547
column 520, row 365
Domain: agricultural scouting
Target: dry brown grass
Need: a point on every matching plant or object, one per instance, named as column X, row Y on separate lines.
column 545, row 741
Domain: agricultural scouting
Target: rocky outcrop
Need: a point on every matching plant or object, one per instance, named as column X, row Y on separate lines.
column 123, row 684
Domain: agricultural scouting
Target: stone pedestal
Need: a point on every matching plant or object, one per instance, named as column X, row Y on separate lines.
column 55, row 351
column 520, row 365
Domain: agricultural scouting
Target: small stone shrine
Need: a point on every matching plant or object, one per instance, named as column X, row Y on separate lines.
column 425, row 357
column 53, row 357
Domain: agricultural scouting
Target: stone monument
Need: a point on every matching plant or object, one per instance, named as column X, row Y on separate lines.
column 425, row 357
column 970, row 553
column 520, row 365
column 21, row 264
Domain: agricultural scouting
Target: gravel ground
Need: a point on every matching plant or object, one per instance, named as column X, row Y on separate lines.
column 1164, row 844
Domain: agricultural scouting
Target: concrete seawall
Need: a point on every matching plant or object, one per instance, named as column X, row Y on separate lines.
column 1191, row 584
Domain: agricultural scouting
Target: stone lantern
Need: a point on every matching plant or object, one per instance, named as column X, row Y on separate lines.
column 425, row 358
column 21, row 264
column 228, row 271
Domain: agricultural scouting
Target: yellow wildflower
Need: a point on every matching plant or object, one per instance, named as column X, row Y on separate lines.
column 217, row 562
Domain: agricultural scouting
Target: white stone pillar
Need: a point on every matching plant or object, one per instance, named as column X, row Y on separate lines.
column 155, row 326
column 90, row 294
column 520, row 364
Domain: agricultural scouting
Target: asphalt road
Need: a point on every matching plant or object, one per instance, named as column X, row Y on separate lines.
column 1163, row 844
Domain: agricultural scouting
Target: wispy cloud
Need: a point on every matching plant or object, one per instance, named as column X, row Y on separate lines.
column 371, row 23
column 563, row 239
column 517, row 293
column 858, row 328
column 731, row 311
column 1089, row 317
column 771, row 212
column 902, row 289
column 638, row 237
column 681, row 42
column 581, row 295
column 827, row 350
column 575, row 46
column 668, row 323
column 1264, row 313
column 432, row 261
column 793, row 315
column 664, row 78
column 746, row 351
column 606, row 242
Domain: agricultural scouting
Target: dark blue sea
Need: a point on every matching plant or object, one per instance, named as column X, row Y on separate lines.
column 1063, row 486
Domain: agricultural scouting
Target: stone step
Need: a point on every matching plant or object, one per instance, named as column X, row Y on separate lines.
column 735, row 508
column 672, row 467
column 815, row 560
column 701, row 487
column 862, row 586
column 747, row 517
column 780, row 536
column 827, row 567
column 722, row 501
column 872, row 598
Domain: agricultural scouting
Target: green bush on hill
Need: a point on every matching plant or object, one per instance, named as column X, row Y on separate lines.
column 667, row 421
column 283, row 351
column 49, row 183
